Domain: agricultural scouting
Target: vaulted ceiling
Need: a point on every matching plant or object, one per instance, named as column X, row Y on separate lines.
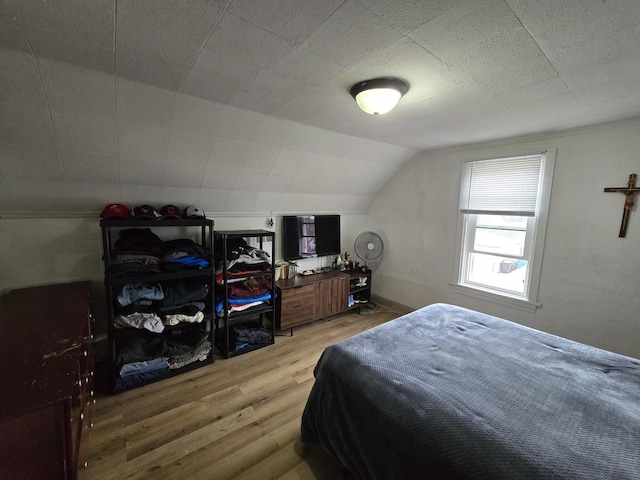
column 241, row 105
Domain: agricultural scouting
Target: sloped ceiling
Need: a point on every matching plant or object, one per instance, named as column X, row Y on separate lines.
column 243, row 105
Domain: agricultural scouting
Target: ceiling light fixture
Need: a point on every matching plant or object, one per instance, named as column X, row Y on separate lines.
column 379, row 95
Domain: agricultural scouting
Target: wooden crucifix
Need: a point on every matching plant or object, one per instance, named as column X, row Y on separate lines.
column 630, row 192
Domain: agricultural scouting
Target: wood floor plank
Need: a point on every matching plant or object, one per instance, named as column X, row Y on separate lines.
column 237, row 418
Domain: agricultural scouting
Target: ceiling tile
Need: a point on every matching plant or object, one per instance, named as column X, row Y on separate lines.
column 277, row 182
column 507, row 61
column 67, row 49
column 196, row 116
column 558, row 25
column 260, row 158
column 225, row 64
column 267, row 201
column 600, row 50
column 606, row 76
column 351, row 34
column 135, row 195
column 286, row 134
column 86, row 21
column 11, row 35
column 31, row 162
column 617, row 109
column 299, row 72
column 184, row 175
column 180, row 197
column 141, row 171
column 24, row 124
column 610, row 90
column 550, row 88
column 214, row 200
column 90, row 167
column 153, row 56
column 140, row 103
column 19, row 80
column 260, row 98
column 189, row 149
column 249, row 180
column 144, row 141
column 227, row 154
column 406, row 15
column 78, row 89
column 223, row 178
column 77, row 132
column 212, row 86
column 37, row 195
column 247, row 42
column 288, row 162
column 240, row 125
column 93, row 196
column 242, row 201
column 292, row 20
column 464, row 26
column 190, row 19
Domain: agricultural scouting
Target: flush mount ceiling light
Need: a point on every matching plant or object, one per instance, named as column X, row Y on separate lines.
column 379, row 95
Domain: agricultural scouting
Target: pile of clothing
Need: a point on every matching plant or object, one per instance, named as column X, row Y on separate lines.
column 144, row 356
column 241, row 260
column 139, row 251
column 247, row 334
column 151, row 307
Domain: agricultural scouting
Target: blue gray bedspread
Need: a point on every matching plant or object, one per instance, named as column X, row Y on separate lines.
column 449, row 393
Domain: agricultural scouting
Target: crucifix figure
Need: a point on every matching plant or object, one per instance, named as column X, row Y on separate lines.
column 630, row 192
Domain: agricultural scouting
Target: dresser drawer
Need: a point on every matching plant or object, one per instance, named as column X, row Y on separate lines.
column 297, row 306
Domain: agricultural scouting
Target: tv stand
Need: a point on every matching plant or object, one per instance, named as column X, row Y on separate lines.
column 304, row 299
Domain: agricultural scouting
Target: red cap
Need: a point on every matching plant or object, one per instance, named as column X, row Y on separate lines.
column 171, row 211
column 115, row 210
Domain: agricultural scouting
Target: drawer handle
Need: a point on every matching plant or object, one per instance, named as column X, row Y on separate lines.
column 82, row 416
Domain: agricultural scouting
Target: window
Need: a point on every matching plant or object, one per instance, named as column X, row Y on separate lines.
column 308, row 236
column 503, row 215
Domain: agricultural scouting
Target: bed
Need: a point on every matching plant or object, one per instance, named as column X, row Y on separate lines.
column 449, row 393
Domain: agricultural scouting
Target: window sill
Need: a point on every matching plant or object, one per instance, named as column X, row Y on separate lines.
column 513, row 302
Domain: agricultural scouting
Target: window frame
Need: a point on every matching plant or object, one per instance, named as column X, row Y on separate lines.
column 535, row 239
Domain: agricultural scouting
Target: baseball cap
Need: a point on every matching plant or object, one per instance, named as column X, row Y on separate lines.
column 145, row 212
column 171, row 211
column 115, row 210
column 193, row 212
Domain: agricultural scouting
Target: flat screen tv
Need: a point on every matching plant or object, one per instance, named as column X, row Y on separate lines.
column 308, row 236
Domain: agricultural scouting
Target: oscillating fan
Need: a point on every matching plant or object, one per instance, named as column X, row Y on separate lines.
column 369, row 248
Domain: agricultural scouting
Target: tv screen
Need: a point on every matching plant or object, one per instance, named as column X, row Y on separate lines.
column 308, row 236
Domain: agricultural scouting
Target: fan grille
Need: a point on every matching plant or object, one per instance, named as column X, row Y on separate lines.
column 369, row 246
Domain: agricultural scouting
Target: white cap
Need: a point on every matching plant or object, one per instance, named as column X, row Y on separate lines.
column 193, row 212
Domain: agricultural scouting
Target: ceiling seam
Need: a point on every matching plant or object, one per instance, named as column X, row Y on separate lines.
column 44, row 94
column 202, row 47
column 546, row 56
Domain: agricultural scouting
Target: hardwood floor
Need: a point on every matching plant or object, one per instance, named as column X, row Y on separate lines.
column 238, row 418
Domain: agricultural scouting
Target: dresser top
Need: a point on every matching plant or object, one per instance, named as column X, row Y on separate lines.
column 43, row 332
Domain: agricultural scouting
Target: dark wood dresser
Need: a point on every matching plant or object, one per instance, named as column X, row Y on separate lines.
column 46, row 376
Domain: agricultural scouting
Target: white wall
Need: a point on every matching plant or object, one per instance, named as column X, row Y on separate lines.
column 41, row 251
column 590, row 278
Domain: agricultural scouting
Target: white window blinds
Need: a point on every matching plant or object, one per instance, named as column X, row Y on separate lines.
column 504, row 186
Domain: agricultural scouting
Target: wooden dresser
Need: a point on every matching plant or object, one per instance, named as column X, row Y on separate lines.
column 303, row 299
column 47, row 379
